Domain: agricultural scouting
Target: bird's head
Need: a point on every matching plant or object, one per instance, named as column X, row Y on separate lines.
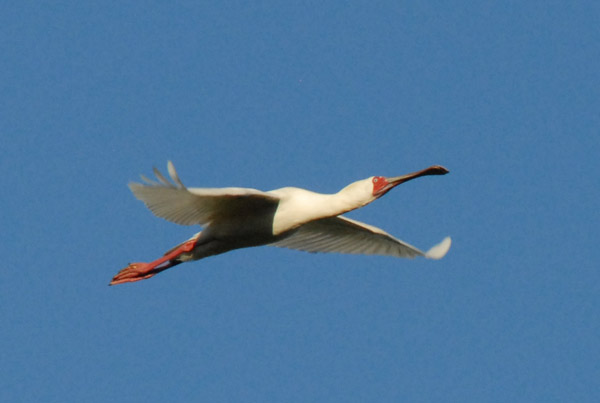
column 382, row 185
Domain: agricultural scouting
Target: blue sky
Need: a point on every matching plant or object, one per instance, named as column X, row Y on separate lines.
column 264, row 95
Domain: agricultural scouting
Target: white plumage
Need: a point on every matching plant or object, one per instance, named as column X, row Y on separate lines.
column 289, row 217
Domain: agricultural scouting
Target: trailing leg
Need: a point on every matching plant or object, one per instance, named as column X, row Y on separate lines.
column 141, row 271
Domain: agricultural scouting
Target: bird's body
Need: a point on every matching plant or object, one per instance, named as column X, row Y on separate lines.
column 295, row 218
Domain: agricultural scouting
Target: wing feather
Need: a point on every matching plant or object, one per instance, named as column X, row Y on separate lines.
column 198, row 206
column 343, row 235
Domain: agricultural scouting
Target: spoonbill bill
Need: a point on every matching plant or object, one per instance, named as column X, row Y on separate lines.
column 289, row 217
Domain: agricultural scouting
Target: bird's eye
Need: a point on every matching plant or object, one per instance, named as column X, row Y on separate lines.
column 374, row 180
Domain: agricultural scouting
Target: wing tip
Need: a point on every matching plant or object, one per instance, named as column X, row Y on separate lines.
column 134, row 186
column 439, row 251
column 173, row 174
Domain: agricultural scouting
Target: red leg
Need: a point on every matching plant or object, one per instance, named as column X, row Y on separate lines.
column 141, row 271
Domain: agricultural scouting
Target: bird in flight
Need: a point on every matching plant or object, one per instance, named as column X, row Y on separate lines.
column 289, row 217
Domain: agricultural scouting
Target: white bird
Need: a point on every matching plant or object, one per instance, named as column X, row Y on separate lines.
column 289, row 217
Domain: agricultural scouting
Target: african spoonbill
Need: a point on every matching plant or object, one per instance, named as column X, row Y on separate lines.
column 289, row 217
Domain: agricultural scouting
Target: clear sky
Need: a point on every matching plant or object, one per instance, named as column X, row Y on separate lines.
column 506, row 95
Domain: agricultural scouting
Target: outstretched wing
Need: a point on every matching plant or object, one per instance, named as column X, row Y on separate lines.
column 343, row 235
column 198, row 206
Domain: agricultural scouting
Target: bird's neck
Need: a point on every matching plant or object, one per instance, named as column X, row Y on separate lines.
column 350, row 198
column 347, row 199
column 299, row 206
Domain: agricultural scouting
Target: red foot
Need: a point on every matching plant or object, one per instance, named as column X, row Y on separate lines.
column 141, row 271
column 134, row 272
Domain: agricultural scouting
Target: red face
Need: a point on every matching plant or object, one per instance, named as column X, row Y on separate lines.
column 379, row 182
